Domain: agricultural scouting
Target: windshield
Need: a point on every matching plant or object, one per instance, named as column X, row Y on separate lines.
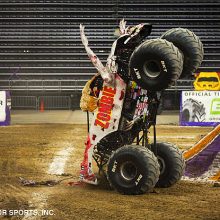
column 208, row 79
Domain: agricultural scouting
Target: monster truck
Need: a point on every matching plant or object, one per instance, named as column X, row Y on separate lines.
column 124, row 99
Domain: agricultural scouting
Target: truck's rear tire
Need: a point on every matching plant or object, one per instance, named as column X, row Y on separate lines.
column 172, row 164
column 191, row 47
column 156, row 64
column 133, row 170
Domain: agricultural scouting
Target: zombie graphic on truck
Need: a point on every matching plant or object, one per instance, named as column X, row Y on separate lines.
column 124, row 99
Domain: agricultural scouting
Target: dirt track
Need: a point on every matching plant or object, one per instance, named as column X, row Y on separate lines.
column 28, row 151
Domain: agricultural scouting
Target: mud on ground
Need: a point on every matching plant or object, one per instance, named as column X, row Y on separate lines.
column 28, row 151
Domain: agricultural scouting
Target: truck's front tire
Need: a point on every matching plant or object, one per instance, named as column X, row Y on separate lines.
column 156, row 64
column 191, row 47
column 133, row 170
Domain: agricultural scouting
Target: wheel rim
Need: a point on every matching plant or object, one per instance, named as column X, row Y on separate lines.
column 151, row 68
column 128, row 170
column 162, row 164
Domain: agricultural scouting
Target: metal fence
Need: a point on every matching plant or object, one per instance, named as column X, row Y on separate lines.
column 68, row 93
column 45, row 102
column 24, row 102
column 42, row 85
column 68, row 85
column 54, row 102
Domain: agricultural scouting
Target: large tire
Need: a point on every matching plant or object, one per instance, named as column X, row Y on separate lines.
column 191, row 47
column 156, row 64
column 133, row 170
column 193, row 111
column 172, row 164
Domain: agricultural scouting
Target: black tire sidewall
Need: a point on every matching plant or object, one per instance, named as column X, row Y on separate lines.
column 116, row 177
column 171, row 158
column 137, row 61
column 168, row 160
column 190, row 46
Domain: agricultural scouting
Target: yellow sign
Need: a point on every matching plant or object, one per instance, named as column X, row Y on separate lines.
column 207, row 81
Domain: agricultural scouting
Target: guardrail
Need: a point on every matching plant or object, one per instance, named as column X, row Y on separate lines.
column 55, row 102
column 42, row 85
column 181, row 85
column 71, row 101
column 24, row 102
column 68, row 85
column 48, row 102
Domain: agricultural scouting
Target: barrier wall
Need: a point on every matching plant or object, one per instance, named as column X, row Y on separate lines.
column 5, row 108
column 200, row 108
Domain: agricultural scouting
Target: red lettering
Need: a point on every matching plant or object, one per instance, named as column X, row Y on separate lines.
column 101, row 124
column 105, row 108
column 107, row 100
column 108, row 94
column 109, row 90
column 103, row 116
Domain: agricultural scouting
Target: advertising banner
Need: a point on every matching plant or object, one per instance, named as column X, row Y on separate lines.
column 2, row 106
column 200, row 108
column 5, row 107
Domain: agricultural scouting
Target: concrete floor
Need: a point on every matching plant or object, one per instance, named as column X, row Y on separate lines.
column 73, row 117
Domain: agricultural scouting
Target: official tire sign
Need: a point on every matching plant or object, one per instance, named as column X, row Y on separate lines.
column 200, row 108
column 5, row 106
column 2, row 106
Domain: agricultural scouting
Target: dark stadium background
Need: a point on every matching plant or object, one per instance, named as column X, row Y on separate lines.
column 42, row 58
